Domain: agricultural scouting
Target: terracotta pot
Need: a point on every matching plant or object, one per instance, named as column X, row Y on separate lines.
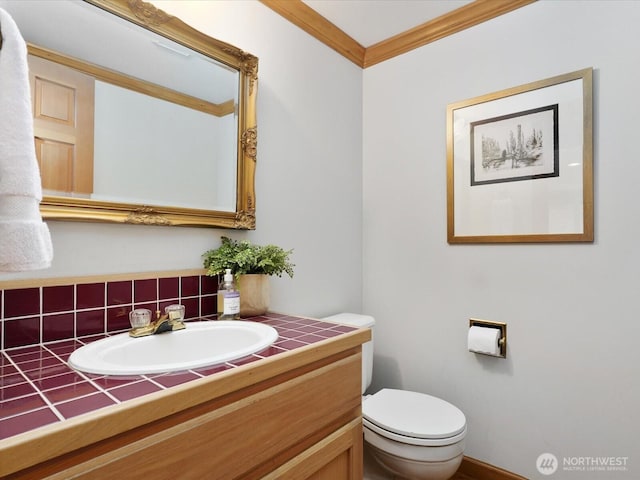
column 254, row 294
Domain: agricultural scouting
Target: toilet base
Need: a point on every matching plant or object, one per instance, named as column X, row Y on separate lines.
column 413, row 462
column 407, row 469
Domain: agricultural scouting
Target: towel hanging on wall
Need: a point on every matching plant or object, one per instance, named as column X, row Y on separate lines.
column 25, row 241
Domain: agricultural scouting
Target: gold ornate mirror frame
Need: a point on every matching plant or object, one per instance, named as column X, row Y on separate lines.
column 151, row 18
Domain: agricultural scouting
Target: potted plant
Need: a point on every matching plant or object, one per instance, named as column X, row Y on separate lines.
column 251, row 266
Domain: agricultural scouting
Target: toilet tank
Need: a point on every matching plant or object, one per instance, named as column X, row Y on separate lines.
column 360, row 321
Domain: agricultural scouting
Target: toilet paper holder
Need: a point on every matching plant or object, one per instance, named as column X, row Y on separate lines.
column 502, row 341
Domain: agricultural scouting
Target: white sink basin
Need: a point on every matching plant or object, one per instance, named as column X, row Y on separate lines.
column 199, row 345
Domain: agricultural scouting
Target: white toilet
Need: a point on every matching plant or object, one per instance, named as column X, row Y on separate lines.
column 412, row 435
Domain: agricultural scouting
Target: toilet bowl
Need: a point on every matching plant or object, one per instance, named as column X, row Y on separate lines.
column 412, row 435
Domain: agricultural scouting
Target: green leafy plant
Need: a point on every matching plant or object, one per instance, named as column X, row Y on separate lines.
column 243, row 257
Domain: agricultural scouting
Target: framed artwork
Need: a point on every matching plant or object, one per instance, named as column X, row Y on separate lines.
column 520, row 164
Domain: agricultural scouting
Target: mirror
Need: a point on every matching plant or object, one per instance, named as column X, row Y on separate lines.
column 168, row 135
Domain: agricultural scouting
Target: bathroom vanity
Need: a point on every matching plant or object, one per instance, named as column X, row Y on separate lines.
column 292, row 415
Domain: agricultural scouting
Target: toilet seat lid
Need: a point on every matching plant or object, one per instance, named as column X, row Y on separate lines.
column 413, row 414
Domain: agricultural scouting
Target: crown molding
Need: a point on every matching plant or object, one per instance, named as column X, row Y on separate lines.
column 300, row 14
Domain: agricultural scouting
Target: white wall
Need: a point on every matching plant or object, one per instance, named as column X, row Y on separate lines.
column 308, row 187
column 570, row 382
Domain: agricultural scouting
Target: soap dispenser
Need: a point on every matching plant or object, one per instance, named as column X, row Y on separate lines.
column 228, row 298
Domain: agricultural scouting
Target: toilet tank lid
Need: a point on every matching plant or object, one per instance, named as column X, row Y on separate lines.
column 413, row 414
column 352, row 319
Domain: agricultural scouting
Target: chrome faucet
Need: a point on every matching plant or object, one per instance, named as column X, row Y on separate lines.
column 165, row 323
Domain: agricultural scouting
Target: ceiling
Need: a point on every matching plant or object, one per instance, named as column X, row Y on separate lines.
column 368, row 32
column 371, row 21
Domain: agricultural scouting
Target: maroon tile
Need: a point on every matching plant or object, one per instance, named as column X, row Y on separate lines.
column 190, row 286
column 49, row 371
column 90, row 295
column 11, row 379
column 208, row 305
column 328, row 333
column 57, row 327
column 212, row 369
column 21, row 405
column 28, row 421
column 24, row 331
column 83, row 405
column 110, row 382
column 58, row 381
column 118, row 318
column 145, row 290
column 245, row 360
column 320, row 324
column 168, row 288
column 344, row 328
column 16, row 391
column 191, row 307
column 22, row 355
column 7, row 368
column 36, row 350
column 119, row 293
column 290, row 344
column 208, row 285
column 21, row 302
column 39, row 364
column 61, row 348
column 308, row 329
column 134, row 390
column 90, row 322
column 310, row 338
column 288, row 333
column 270, row 351
column 172, row 379
column 69, row 392
column 57, row 299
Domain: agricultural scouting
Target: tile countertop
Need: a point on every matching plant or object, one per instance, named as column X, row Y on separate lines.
column 38, row 388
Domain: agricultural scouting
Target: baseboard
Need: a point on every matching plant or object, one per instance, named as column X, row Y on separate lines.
column 484, row 471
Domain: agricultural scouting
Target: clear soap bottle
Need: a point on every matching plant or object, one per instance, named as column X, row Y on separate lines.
column 228, row 298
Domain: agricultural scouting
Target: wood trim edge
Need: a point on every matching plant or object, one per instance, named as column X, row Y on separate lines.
column 109, row 277
column 453, row 22
column 484, row 471
column 303, row 16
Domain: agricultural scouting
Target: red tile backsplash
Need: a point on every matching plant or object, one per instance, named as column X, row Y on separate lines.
column 90, row 295
column 40, row 328
column 90, row 322
column 119, row 293
column 145, row 290
column 57, row 327
column 190, row 286
column 22, row 331
column 208, row 285
column 21, row 302
column 32, row 315
column 57, row 299
column 168, row 288
column 118, row 318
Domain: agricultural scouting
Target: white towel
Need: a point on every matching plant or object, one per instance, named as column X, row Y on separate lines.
column 25, row 241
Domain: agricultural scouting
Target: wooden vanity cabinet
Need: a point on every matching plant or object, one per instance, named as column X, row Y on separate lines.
column 302, row 422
